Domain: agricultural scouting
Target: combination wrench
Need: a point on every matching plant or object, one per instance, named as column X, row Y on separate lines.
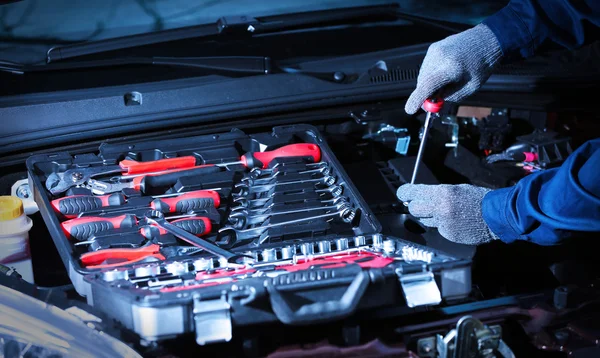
column 245, row 189
column 242, row 219
column 334, row 190
column 282, row 177
column 273, row 206
column 256, row 173
column 345, row 213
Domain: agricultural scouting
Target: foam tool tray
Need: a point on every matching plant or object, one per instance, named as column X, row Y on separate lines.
column 309, row 248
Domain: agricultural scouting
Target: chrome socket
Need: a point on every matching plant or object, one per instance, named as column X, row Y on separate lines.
column 360, row 241
column 341, row 244
column 389, row 246
column 269, row 255
column 288, row 252
column 324, row 247
column 307, row 248
column 144, row 271
column 203, row 264
column 177, row 268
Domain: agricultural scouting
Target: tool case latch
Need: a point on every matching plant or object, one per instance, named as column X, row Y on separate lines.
column 419, row 288
column 212, row 319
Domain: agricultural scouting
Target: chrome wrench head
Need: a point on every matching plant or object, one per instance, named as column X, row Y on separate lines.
column 348, row 215
column 329, row 180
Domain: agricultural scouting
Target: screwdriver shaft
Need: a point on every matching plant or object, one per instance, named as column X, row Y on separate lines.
column 421, row 147
column 239, row 162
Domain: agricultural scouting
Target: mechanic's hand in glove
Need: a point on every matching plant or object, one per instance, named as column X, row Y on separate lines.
column 456, row 66
column 454, row 209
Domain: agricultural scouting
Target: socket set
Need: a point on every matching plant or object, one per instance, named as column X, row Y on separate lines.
column 192, row 232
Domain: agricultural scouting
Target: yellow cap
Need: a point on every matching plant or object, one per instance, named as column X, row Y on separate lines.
column 11, row 208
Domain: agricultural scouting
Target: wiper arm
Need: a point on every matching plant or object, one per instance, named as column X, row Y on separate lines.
column 228, row 26
column 230, row 65
column 242, row 65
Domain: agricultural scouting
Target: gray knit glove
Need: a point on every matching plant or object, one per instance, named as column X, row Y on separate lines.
column 456, row 66
column 454, row 209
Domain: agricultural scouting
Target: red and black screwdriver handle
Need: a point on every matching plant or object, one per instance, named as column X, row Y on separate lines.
column 262, row 159
column 81, row 229
column 192, row 201
column 71, row 206
column 433, row 104
column 168, row 178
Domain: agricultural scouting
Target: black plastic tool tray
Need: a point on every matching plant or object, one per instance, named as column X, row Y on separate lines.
column 164, row 300
column 210, row 149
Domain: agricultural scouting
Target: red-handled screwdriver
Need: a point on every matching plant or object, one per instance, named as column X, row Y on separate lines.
column 83, row 228
column 71, row 206
column 146, row 181
column 129, row 167
column 431, row 105
column 262, row 159
column 194, row 200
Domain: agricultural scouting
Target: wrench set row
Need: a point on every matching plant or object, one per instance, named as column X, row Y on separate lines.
column 288, row 195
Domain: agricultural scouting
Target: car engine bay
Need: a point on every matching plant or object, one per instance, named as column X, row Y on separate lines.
column 306, row 252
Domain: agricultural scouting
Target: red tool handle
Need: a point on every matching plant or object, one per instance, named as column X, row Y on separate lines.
column 194, row 200
column 262, row 159
column 83, row 228
column 170, row 177
column 433, row 105
column 134, row 167
column 125, row 256
column 71, row 206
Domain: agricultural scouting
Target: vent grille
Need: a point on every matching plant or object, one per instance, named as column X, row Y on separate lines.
column 396, row 75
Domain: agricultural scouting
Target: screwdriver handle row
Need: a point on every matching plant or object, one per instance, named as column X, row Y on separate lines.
column 84, row 228
column 71, row 206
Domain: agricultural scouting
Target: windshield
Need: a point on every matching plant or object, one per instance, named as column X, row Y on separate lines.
column 29, row 28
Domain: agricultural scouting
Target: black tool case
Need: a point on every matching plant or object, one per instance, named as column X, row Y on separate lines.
column 302, row 273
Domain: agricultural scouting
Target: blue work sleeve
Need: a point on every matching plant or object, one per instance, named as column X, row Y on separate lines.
column 523, row 25
column 550, row 206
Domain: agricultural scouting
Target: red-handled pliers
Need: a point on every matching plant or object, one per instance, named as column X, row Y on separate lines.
column 108, row 258
column 61, row 182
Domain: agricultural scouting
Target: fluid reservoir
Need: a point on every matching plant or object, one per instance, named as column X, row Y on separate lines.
column 14, row 237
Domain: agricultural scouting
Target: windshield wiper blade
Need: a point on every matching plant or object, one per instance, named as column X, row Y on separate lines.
column 228, row 26
column 242, row 65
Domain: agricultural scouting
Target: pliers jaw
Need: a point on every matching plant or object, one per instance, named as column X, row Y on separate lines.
column 60, row 182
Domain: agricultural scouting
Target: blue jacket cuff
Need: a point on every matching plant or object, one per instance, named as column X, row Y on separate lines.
column 512, row 32
column 494, row 211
